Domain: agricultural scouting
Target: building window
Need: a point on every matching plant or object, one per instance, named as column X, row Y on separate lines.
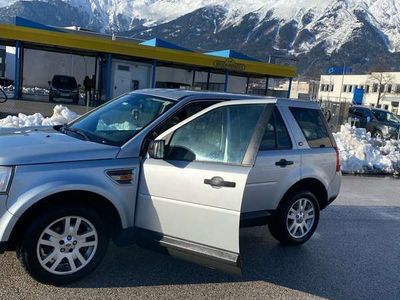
column 373, row 105
column 382, row 88
column 367, row 89
column 350, row 89
column 322, row 87
column 386, row 107
column 389, row 88
column 345, row 88
column 375, row 88
column 332, row 87
column 355, row 87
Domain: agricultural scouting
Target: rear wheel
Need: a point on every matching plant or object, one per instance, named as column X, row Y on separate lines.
column 63, row 245
column 296, row 219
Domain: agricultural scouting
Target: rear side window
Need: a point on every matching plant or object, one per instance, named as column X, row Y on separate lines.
column 276, row 136
column 313, row 126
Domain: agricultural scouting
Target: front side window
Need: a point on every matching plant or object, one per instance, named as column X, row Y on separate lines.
column 222, row 135
column 120, row 120
column 313, row 126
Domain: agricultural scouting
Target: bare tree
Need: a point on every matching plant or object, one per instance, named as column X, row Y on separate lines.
column 381, row 81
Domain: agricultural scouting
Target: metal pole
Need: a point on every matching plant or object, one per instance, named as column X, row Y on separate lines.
column 247, row 85
column 226, row 81
column 290, row 87
column 266, row 85
column 341, row 87
column 154, row 74
column 208, row 80
column 17, row 69
column 193, row 78
column 108, row 77
column 95, row 82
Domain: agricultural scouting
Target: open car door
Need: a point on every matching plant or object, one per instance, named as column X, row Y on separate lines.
column 193, row 180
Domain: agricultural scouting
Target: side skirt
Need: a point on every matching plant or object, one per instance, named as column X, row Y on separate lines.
column 214, row 258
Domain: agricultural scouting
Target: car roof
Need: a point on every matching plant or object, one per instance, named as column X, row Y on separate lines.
column 181, row 94
column 369, row 108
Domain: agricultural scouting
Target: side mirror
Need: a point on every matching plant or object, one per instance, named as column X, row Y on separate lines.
column 368, row 119
column 157, row 149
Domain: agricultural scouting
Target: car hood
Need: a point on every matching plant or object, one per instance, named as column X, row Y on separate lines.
column 46, row 145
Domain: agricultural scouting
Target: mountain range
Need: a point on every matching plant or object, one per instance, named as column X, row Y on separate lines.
column 318, row 33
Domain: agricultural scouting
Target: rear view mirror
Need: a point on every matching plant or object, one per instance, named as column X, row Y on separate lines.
column 157, row 149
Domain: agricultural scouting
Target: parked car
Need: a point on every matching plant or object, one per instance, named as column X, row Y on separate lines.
column 64, row 87
column 380, row 123
column 179, row 169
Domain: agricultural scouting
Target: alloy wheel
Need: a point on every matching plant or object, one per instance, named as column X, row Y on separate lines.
column 67, row 245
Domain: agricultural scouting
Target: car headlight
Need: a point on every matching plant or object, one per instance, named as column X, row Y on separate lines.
column 5, row 178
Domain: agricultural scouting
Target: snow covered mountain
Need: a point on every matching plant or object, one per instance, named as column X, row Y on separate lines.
column 324, row 29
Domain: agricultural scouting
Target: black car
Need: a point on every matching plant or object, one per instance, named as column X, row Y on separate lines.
column 380, row 123
column 65, row 87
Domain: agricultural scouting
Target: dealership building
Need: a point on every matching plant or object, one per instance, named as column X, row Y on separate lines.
column 377, row 89
column 34, row 53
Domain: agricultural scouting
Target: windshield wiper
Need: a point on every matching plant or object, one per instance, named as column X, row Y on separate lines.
column 76, row 131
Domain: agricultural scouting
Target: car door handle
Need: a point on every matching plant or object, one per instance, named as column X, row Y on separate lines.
column 219, row 182
column 283, row 163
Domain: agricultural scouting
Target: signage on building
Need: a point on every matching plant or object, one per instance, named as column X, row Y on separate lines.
column 229, row 64
column 340, row 70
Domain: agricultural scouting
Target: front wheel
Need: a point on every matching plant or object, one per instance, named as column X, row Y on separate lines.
column 296, row 219
column 63, row 245
column 378, row 134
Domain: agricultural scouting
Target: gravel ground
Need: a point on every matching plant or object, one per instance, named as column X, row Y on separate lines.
column 353, row 255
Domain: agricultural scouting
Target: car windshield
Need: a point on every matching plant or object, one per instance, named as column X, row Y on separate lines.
column 118, row 121
column 64, row 82
column 385, row 116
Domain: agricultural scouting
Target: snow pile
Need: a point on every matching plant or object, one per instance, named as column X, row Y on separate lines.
column 35, row 91
column 61, row 115
column 360, row 153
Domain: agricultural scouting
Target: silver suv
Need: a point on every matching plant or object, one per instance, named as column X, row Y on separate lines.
column 177, row 169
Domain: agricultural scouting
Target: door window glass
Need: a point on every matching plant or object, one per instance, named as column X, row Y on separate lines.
column 221, row 135
column 313, row 126
column 276, row 135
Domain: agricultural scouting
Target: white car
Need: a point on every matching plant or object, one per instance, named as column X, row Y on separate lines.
column 181, row 169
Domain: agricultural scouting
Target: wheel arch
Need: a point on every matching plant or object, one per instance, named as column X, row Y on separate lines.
column 103, row 206
column 312, row 185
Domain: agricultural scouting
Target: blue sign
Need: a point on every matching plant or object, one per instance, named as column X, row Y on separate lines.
column 358, row 96
column 340, row 70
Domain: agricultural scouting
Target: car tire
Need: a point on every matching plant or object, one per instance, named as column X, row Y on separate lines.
column 377, row 134
column 294, row 222
column 38, row 251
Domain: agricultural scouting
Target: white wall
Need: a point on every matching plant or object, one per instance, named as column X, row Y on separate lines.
column 40, row 66
column 10, row 62
column 137, row 71
column 237, row 84
column 165, row 74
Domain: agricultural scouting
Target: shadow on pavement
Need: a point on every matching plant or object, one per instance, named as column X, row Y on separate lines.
column 354, row 254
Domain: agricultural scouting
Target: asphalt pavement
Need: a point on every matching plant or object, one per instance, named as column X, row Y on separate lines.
column 355, row 254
